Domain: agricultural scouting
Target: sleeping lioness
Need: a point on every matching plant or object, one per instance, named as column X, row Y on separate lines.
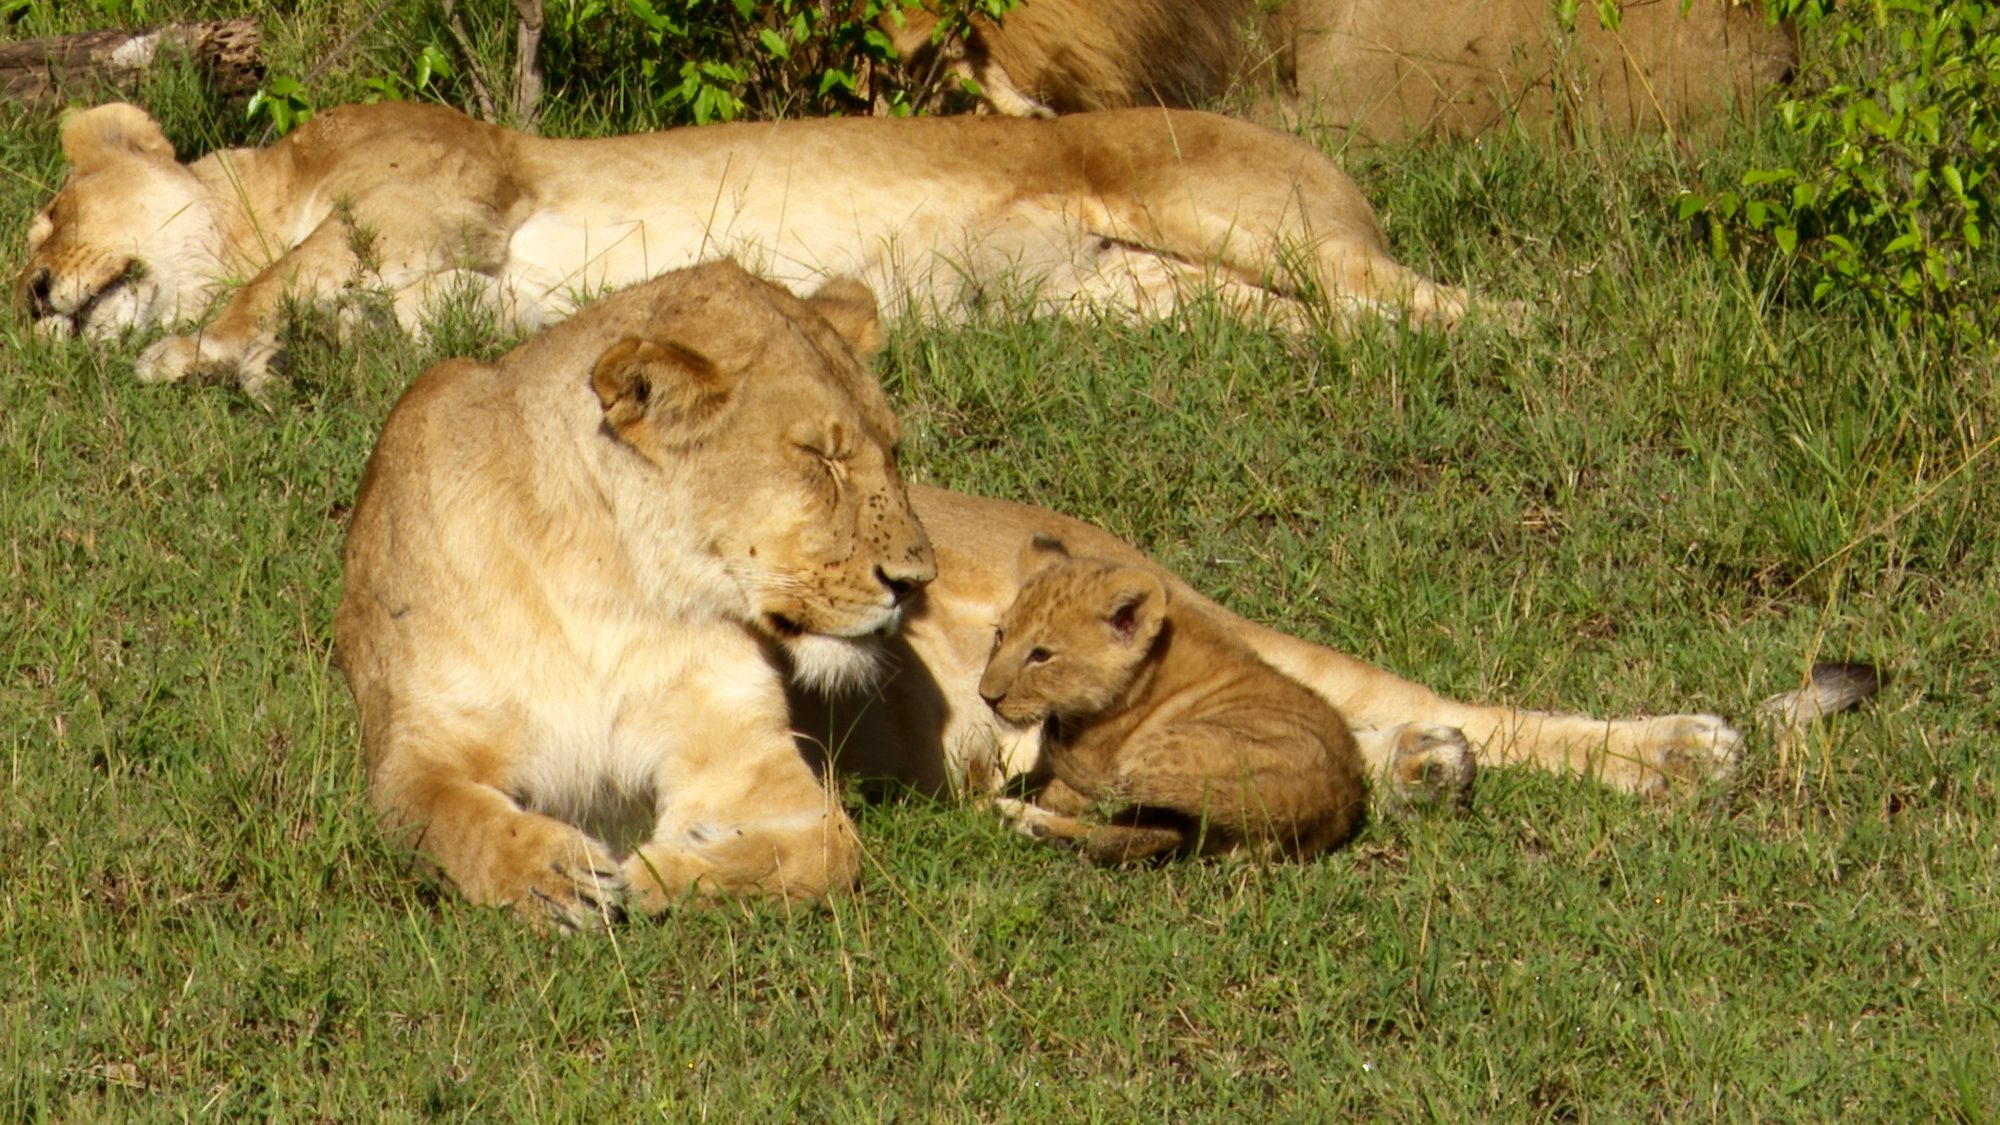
column 1151, row 711
column 1127, row 214
column 595, row 591
column 565, row 576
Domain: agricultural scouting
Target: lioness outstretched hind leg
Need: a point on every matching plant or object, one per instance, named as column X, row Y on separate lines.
column 1652, row 755
column 1421, row 767
column 1272, row 211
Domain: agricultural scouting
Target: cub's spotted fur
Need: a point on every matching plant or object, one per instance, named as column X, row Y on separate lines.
column 1151, row 706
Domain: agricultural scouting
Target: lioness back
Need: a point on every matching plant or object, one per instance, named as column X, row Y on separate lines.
column 1150, row 705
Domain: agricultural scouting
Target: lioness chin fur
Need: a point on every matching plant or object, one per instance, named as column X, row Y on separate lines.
column 1126, row 214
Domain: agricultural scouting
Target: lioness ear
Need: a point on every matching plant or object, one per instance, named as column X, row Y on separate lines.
column 1135, row 606
column 97, row 136
column 1040, row 553
column 656, row 393
column 850, row 308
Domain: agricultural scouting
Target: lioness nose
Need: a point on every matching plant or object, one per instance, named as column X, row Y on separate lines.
column 38, row 294
column 903, row 583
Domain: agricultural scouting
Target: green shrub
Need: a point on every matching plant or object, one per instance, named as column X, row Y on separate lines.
column 1887, row 190
column 624, row 65
column 668, row 62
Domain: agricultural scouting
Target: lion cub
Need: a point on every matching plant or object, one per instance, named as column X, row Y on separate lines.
column 1150, row 706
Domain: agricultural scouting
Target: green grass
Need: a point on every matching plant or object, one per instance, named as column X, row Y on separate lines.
column 1673, row 494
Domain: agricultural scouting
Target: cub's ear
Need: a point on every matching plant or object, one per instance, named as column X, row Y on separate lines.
column 1040, row 553
column 95, row 137
column 1134, row 606
column 850, row 308
column 659, row 395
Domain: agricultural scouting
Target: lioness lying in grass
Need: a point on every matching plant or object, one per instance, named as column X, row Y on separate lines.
column 1127, row 214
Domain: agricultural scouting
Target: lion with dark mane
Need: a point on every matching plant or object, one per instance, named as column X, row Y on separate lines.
column 1373, row 70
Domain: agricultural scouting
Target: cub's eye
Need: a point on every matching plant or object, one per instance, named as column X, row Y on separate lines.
column 1039, row 655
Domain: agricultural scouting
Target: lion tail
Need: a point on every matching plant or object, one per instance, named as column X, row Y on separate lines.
column 1833, row 687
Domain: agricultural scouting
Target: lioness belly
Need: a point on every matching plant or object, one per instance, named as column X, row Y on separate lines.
column 1029, row 259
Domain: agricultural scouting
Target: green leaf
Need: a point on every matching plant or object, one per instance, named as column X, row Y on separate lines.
column 652, row 19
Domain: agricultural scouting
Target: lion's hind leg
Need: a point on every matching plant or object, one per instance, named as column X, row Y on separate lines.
column 1274, row 214
column 1420, row 766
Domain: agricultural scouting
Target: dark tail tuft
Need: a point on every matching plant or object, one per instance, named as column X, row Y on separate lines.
column 1835, row 687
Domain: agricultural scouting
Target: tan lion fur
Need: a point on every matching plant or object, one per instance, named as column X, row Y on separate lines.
column 924, row 723
column 1150, row 706
column 564, row 573
column 595, row 590
column 1127, row 214
column 1374, row 70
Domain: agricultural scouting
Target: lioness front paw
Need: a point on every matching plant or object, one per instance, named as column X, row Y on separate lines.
column 1037, row 823
column 1679, row 751
column 581, row 890
column 176, row 357
column 172, row 359
column 982, row 776
column 1430, row 767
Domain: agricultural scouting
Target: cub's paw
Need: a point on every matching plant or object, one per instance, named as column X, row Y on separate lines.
column 1430, row 767
column 1676, row 752
column 1037, row 823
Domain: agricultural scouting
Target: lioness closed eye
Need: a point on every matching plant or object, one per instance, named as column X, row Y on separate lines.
column 1150, row 705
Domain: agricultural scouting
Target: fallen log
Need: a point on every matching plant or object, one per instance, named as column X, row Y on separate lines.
column 66, row 66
